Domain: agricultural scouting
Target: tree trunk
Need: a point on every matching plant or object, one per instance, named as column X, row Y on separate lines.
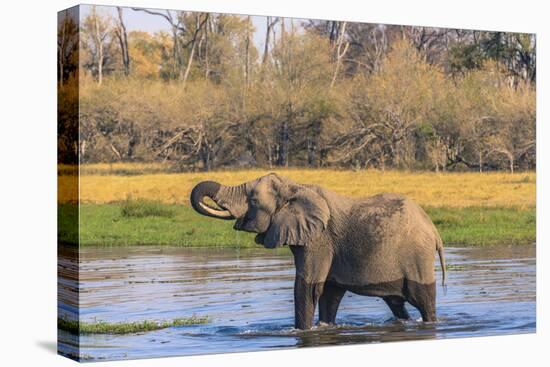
column 339, row 53
column 206, row 61
column 247, row 55
column 283, row 144
column 198, row 27
column 100, row 65
column 333, row 32
column 205, row 156
column 61, row 71
column 123, row 40
column 99, row 45
column 480, row 162
column 269, row 151
column 266, row 45
column 189, row 62
column 176, row 52
column 269, row 31
column 61, row 53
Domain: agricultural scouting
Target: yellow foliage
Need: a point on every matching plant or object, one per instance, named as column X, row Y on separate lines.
column 145, row 50
column 427, row 188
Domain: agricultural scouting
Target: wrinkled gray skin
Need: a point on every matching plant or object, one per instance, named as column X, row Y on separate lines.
column 383, row 245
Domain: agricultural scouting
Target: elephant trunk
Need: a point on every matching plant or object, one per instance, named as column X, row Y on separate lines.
column 208, row 189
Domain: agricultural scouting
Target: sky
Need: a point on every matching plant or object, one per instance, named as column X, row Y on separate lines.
column 138, row 20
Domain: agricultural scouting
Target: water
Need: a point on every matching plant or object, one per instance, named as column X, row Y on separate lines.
column 248, row 296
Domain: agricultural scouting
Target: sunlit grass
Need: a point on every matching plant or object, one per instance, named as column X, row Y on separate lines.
column 450, row 190
column 115, row 168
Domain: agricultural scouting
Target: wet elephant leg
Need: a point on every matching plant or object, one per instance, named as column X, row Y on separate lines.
column 422, row 296
column 312, row 267
column 329, row 302
column 306, row 296
column 397, row 307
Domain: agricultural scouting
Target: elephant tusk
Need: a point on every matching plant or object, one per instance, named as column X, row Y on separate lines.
column 208, row 189
column 215, row 212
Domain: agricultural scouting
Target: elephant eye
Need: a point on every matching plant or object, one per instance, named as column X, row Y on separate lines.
column 254, row 202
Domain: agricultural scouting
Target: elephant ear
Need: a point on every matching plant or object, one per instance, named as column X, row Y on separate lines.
column 302, row 215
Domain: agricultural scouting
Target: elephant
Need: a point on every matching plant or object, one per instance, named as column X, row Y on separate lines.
column 383, row 245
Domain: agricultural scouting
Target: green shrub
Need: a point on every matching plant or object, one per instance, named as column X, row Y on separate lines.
column 145, row 208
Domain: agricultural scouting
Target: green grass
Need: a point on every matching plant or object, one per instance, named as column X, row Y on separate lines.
column 145, row 208
column 102, row 327
column 110, row 225
column 149, row 223
column 485, row 226
column 67, row 223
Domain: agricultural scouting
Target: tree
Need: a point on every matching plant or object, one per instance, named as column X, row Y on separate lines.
column 432, row 42
column 147, row 53
column 515, row 122
column 174, row 19
column 515, row 51
column 391, row 104
column 341, row 50
column 270, row 30
column 301, row 68
column 122, row 36
column 97, row 28
column 324, row 94
column 67, row 46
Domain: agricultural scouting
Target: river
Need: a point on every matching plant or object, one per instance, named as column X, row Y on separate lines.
column 248, row 297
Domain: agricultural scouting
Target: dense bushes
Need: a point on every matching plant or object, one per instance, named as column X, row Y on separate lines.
column 317, row 99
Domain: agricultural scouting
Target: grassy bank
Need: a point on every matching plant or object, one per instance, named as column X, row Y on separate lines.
column 102, row 327
column 153, row 223
column 145, row 204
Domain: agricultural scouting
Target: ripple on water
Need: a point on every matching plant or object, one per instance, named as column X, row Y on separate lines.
column 248, row 297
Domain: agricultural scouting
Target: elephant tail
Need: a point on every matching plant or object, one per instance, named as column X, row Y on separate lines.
column 441, row 254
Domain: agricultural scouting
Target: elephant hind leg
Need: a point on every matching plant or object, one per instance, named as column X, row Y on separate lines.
column 329, row 303
column 422, row 297
column 397, row 306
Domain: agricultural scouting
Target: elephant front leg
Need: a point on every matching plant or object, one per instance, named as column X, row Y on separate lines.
column 306, row 296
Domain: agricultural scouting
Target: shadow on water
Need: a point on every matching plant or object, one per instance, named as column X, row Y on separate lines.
column 391, row 330
column 248, row 297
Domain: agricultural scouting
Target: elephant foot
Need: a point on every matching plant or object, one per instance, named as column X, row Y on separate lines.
column 325, row 324
column 393, row 319
column 422, row 297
